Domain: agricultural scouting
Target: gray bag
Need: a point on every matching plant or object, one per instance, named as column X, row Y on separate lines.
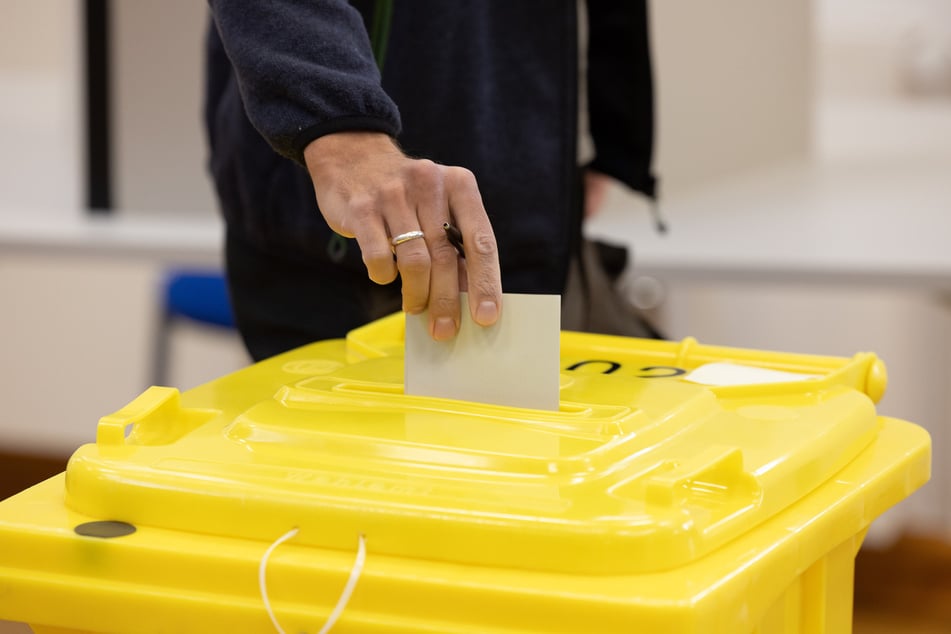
column 592, row 302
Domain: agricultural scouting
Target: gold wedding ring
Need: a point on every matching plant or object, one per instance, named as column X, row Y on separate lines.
column 405, row 237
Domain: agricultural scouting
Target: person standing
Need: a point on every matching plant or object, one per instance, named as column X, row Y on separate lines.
column 343, row 135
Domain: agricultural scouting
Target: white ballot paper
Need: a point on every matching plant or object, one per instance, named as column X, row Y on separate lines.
column 515, row 362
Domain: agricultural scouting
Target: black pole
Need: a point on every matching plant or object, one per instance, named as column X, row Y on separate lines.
column 98, row 116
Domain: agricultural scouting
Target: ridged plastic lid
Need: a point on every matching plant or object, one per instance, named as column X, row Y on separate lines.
column 642, row 469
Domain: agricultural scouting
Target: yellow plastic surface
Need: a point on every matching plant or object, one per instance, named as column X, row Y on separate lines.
column 646, row 503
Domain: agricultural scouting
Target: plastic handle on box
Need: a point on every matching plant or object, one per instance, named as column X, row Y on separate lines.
column 156, row 417
column 716, row 472
column 876, row 380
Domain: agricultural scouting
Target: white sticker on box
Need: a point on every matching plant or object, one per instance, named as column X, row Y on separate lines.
column 725, row 374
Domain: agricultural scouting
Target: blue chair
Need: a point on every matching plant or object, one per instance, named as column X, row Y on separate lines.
column 195, row 295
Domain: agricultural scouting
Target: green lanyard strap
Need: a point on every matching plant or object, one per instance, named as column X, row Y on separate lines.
column 380, row 35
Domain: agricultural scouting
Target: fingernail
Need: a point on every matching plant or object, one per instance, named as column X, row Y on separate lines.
column 444, row 329
column 487, row 313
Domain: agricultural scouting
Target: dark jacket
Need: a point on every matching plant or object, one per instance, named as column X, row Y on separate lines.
column 490, row 85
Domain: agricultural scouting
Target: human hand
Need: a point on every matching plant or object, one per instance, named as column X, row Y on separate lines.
column 369, row 190
column 595, row 191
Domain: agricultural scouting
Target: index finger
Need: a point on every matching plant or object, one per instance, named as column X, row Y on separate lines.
column 482, row 255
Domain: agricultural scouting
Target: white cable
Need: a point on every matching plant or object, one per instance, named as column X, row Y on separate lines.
column 348, row 589
column 262, row 576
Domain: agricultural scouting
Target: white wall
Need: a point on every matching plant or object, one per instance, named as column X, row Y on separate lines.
column 73, row 346
column 41, row 110
column 734, row 87
column 872, row 48
column 77, row 325
column 158, row 144
column 159, row 140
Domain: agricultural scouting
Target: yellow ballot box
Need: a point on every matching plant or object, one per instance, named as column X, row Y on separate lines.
column 679, row 488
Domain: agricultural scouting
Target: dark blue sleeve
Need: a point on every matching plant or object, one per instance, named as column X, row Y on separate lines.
column 620, row 92
column 304, row 68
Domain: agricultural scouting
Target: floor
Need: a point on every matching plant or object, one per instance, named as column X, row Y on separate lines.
column 905, row 589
